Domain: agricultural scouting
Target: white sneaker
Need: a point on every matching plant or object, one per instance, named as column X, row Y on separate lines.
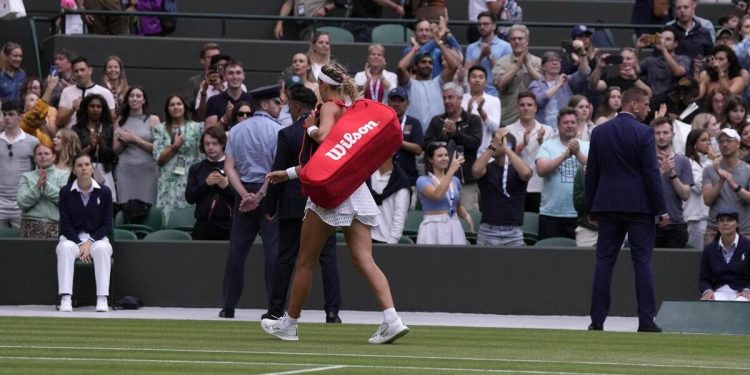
column 101, row 304
column 66, row 303
column 389, row 332
column 279, row 329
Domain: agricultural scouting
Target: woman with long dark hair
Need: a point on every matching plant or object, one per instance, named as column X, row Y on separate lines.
column 734, row 113
column 355, row 216
column 175, row 148
column 695, row 210
column 136, row 170
column 723, row 70
column 440, row 194
column 610, row 105
column 95, row 130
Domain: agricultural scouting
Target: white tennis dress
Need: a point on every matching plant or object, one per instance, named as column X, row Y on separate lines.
column 360, row 205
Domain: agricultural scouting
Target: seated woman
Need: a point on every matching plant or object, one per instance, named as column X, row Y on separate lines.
column 85, row 222
column 38, row 194
column 725, row 273
column 440, row 194
column 209, row 189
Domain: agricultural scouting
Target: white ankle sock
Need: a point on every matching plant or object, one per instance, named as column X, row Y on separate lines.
column 65, row 297
column 289, row 320
column 390, row 315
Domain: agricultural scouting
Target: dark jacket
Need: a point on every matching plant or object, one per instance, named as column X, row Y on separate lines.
column 95, row 218
column 716, row 272
column 212, row 203
column 622, row 174
column 468, row 134
column 286, row 198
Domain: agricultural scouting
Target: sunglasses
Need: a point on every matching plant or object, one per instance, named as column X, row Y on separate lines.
column 10, row 150
column 244, row 114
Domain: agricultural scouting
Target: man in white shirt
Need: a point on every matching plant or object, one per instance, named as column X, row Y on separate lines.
column 71, row 96
column 484, row 105
column 530, row 135
column 16, row 158
column 389, row 187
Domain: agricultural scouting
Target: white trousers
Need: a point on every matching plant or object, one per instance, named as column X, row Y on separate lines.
column 725, row 293
column 68, row 252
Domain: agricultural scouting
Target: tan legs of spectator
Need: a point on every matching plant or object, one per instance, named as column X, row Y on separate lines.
column 315, row 233
column 359, row 241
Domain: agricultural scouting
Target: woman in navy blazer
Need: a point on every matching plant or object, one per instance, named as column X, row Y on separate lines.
column 85, row 222
column 725, row 264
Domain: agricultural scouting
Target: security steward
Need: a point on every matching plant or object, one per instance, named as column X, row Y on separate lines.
column 249, row 156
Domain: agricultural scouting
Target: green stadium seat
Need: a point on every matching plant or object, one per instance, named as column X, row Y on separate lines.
column 153, row 222
column 122, row 234
column 530, row 228
column 6, row 232
column 556, row 242
column 183, row 219
column 337, row 34
column 405, row 240
column 168, row 235
column 411, row 226
column 395, row 34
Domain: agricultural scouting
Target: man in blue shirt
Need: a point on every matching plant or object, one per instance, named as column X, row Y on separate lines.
column 487, row 49
column 249, row 157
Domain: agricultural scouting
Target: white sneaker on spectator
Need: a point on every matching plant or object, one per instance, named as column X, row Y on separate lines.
column 66, row 303
column 101, row 304
column 389, row 332
column 280, row 329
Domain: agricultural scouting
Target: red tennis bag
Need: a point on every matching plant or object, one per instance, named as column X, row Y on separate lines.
column 365, row 136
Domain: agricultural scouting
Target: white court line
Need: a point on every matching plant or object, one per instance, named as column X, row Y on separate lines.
column 307, row 370
column 356, row 355
column 176, row 361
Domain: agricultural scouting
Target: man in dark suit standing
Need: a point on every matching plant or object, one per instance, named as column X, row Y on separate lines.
column 286, row 201
column 624, row 195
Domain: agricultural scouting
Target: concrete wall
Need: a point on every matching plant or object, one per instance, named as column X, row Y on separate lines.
column 544, row 281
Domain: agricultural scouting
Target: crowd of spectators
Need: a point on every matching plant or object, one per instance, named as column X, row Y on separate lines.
column 491, row 128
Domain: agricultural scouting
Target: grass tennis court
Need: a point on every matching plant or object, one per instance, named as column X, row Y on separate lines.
column 108, row 346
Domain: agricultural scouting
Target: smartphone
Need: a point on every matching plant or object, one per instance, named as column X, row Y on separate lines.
column 650, row 39
column 613, row 60
column 459, row 150
column 567, row 46
column 53, row 70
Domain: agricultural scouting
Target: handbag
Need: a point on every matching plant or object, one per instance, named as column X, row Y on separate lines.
column 12, row 9
column 365, row 136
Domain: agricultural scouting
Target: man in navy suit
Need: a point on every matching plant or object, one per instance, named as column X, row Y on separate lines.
column 624, row 195
column 725, row 264
column 291, row 206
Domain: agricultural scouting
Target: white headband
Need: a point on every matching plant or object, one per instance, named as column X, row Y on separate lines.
column 328, row 80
